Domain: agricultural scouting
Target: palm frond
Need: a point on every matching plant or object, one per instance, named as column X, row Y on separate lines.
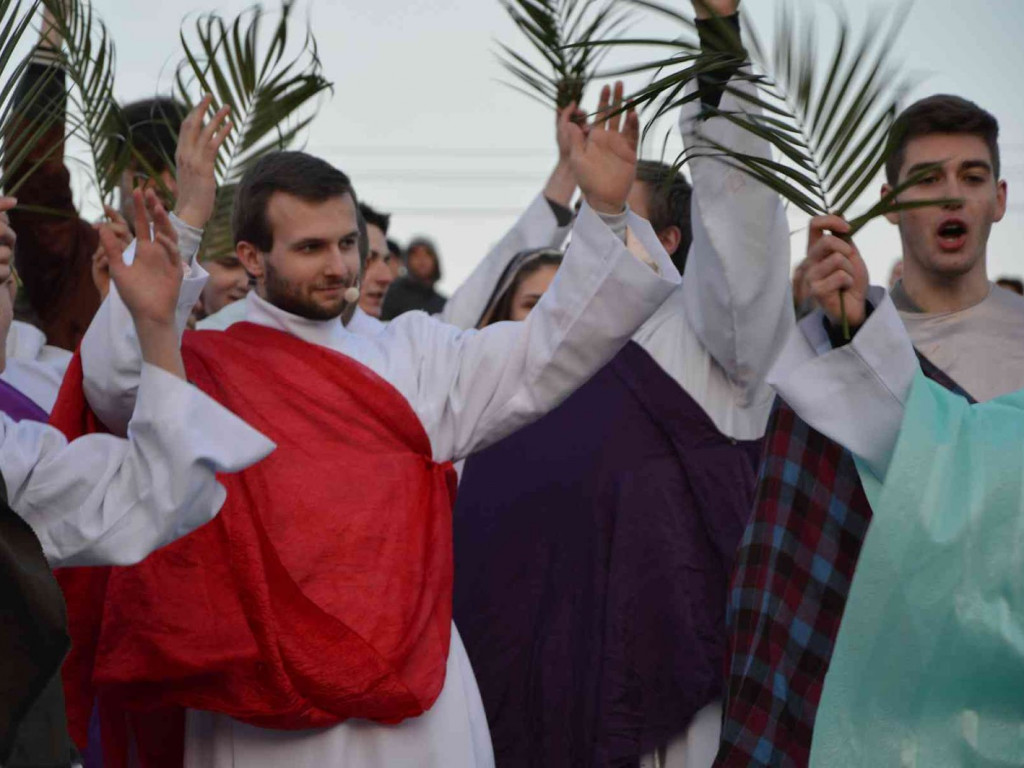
column 561, row 33
column 28, row 110
column 88, row 59
column 272, row 88
column 828, row 126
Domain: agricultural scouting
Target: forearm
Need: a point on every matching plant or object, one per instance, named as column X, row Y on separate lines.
column 737, row 290
column 105, row 500
column 561, row 185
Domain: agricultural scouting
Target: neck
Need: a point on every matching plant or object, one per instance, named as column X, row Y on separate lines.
column 933, row 293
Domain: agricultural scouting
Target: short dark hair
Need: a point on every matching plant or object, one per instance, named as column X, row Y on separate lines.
column 669, row 204
column 372, row 216
column 427, row 245
column 395, row 249
column 941, row 113
column 152, row 127
column 294, row 173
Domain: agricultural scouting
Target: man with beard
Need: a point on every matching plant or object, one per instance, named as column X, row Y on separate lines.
column 313, row 627
column 800, row 551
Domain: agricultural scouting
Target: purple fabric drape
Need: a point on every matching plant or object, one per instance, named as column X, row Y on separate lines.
column 592, row 556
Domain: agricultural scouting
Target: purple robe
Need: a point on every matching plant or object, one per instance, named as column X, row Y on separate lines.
column 592, row 557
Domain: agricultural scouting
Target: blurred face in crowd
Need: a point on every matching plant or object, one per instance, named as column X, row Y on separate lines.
column 227, row 284
column 530, row 290
column 639, row 201
column 420, row 264
column 314, row 258
column 165, row 186
column 951, row 240
column 378, row 274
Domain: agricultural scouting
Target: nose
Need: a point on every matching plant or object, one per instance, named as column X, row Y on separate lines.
column 953, row 193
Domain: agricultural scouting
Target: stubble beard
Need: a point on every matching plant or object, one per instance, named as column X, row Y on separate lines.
column 288, row 297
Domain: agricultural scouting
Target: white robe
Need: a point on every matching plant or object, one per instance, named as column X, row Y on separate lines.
column 34, row 368
column 469, row 389
column 105, row 500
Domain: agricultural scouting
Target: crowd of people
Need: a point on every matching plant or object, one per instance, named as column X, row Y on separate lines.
column 634, row 500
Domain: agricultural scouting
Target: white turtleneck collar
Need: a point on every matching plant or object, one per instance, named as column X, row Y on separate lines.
column 326, row 333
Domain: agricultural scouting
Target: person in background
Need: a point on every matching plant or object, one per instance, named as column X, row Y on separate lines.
column 527, row 279
column 397, row 262
column 1014, row 284
column 378, row 273
column 59, row 257
column 99, row 499
column 896, row 273
column 593, row 548
column 800, row 551
column 415, row 290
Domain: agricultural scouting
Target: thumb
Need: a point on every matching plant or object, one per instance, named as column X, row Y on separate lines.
column 114, row 250
column 114, row 215
column 6, row 203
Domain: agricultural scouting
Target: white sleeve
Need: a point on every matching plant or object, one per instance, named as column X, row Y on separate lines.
column 111, row 358
column 854, row 395
column 106, row 500
column 475, row 387
column 537, row 227
column 737, row 291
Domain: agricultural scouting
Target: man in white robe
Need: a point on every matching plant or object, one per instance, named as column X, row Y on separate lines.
column 468, row 389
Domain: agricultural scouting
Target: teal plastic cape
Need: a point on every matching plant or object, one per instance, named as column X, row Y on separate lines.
column 928, row 669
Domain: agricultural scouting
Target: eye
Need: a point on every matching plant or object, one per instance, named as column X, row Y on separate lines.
column 349, row 243
column 930, row 179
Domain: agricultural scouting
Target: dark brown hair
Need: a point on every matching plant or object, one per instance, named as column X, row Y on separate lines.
column 941, row 113
column 521, row 267
column 294, row 173
column 668, row 204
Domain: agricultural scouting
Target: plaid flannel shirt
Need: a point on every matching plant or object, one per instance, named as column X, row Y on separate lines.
column 789, row 587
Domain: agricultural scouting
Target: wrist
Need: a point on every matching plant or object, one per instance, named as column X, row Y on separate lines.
column 605, row 206
column 561, row 184
column 192, row 216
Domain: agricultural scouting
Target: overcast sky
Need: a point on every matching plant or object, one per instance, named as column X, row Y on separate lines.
column 420, row 122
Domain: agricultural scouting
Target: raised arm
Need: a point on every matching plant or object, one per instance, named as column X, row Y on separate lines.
column 854, row 391
column 111, row 358
column 478, row 386
column 544, row 224
column 103, row 499
column 737, row 291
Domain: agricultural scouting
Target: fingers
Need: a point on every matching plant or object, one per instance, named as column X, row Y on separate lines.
column 169, row 248
column 188, row 134
column 819, row 225
column 601, row 119
column 831, row 285
column 631, row 130
column 212, row 129
column 141, row 222
column 614, row 122
column 161, row 220
column 113, row 249
column 6, row 203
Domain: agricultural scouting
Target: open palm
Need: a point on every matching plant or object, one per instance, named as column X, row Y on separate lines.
column 604, row 161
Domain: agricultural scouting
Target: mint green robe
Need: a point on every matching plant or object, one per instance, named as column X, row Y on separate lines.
column 928, row 668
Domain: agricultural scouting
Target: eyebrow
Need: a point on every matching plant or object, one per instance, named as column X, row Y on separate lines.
column 964, row 166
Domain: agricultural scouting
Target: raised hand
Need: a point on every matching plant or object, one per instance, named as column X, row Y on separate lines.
column 149, row 286
column 562, row 183
column 705, row 9
column 604, row 161
column 836, row 272
column 195, row 158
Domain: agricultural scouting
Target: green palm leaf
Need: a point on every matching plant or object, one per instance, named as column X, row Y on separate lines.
column 561, row 33
column 88, row 60
column 829, row 126
column 271, row 86
column 25, row 117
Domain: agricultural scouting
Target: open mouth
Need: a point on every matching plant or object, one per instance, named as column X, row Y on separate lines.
column 952, row 234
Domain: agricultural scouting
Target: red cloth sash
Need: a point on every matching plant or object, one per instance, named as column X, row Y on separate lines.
column 322, row 590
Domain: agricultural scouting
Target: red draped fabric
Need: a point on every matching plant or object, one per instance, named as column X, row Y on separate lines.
column 322, row 590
